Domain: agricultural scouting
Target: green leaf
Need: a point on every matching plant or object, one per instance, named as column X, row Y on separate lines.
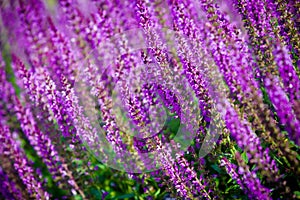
column 298, row 156
column 174, row 125
column 297, row 193
column 124, row 196
column 157, row 193
column 216, row 167
column 230, row 180
column 233, row 187
column 244, row 156
column 77, row 197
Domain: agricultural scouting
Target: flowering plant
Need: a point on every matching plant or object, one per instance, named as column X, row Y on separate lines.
column 160, row 99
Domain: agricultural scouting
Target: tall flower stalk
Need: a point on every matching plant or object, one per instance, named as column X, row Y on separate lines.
column 86, row 85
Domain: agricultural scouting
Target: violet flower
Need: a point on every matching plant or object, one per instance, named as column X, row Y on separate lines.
column 8, row 188
column 12, row 149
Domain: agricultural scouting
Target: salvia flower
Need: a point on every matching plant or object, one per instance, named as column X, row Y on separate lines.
column 13, row 150
column 8, row 187
column 206, row 103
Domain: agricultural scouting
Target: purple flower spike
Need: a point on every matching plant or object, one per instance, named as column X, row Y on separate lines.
column 12, row 149
column 8, row 188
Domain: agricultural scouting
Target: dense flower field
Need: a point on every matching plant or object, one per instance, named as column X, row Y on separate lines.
column 140, row 99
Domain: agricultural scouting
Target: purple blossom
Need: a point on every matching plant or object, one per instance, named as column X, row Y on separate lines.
column 73, row 64
column 8, row 187
column 248, row 140
column 40, row 141
column 288, row 74
column 283, row 108
column 251, row 181
column 12, row 149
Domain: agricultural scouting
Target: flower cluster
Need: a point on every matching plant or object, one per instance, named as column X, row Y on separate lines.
column 201, row 104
